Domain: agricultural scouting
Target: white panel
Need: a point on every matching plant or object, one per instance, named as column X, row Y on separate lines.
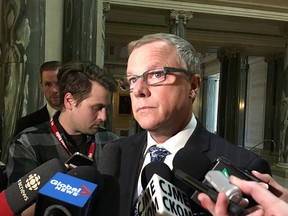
column 54, row 30
column 255, row 104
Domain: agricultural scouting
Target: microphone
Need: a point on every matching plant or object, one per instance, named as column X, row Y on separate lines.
column 70, row 194
column 195, row 164
column 192, row 176
column 192, row 162
column 155, row 167
column 107, row 202
column 21, row 194
column 160, row 196
column 110, row 160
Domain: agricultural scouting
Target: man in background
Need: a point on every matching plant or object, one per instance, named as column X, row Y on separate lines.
column 48, row 83
column 85, row 92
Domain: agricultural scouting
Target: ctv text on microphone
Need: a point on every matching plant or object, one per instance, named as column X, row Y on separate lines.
column 160, row 197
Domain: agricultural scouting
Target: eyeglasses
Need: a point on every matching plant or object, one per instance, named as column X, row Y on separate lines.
column 151, row 77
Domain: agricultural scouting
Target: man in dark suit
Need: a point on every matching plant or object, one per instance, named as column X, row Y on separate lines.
column 163, row 79
column 48, row 83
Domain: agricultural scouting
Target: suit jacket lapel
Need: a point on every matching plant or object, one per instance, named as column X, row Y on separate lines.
column 200, row 139
column 132, row 157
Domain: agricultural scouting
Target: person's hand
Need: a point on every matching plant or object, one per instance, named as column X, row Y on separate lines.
column 277, row 189
column 29, row 211
column 218, row 209
column 269, row 204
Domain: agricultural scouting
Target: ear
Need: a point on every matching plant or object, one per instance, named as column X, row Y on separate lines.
column 41, row 86
column 69, row 101
column 195, row 82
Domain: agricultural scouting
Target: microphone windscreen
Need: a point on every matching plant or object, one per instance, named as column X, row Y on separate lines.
column 23, row 193
column 192, row 162
column 107, row 202
column 157, row 167
column 195, row 164
column 90, row 174
column 87, row 173
column 110, row 160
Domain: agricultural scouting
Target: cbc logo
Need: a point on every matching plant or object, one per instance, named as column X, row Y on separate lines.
column 32, row 182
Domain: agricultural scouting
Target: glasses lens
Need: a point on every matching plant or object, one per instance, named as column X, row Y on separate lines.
column 154, row 76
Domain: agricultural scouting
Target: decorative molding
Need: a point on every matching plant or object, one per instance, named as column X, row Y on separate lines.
column 185, row 15
column 106, row 7
column 260, row 13
column 244, row 64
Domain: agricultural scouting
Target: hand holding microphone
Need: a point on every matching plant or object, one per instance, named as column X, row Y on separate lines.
column 269, row 204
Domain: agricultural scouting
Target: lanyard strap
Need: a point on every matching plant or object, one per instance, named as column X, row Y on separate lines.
column 58, row 136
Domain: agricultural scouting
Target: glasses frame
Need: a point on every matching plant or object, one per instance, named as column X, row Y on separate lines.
column 166, row 71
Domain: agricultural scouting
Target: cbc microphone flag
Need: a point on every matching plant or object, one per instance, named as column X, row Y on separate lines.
column 68, row 189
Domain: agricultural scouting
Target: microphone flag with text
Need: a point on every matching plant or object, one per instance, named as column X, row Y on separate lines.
column 160, row 196
column 22, row 193
column 66, row 194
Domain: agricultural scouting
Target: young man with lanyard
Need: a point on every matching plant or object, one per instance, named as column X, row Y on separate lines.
column 85, row 92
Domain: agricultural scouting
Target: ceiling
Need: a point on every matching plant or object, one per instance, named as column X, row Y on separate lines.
column 248, row 27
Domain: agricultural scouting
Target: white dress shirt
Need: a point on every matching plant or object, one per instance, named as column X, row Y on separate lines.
column 51, row 110
column 173, row 144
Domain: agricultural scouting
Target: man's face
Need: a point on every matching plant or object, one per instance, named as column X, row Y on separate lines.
column 87, row 117
column 50, row 89
column 166, row 107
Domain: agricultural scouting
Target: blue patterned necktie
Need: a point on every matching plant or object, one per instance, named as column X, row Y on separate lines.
column 156, row 154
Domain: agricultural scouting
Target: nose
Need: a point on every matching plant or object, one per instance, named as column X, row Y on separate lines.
column 102, row 114
column 140, row 89
column 55, row 88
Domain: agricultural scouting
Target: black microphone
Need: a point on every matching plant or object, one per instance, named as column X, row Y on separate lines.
column 69, row 194
column 192, row 162
column 157, row 167
column 195, row 164
column 160, row 196
column 21, row 194
column 110, row 160
column 107, row 202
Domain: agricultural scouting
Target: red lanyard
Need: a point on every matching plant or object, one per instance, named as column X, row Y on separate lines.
column 55, row 131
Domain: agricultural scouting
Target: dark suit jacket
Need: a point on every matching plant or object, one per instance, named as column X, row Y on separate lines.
column 32, row 119
column 208, row 143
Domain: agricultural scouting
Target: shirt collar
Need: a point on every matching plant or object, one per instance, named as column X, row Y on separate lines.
column 51, row 110
column 176, row 142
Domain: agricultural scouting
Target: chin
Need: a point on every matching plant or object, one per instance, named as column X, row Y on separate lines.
column 147, row 126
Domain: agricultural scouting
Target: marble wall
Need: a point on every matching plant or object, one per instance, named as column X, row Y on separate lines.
column 22, row 52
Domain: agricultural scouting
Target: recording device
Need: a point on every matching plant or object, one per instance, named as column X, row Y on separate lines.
column 68, row 194
column 222, row 184
column 21, row 194
column 160, row 196
column 78, row 159
column 233, row 208
column 229, row 168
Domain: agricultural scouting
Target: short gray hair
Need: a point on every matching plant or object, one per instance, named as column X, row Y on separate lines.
column 186, row 52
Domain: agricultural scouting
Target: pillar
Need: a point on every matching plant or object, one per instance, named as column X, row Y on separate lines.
column 283, row 141
column 80, row 30
column 232, row 96
column 21, row 55
column 178, row 21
